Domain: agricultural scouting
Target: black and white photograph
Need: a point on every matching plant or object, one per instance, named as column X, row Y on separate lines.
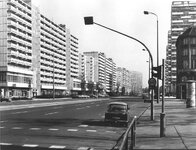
column 97, row 74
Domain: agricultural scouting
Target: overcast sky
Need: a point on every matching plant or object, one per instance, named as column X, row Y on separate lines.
column 122, row 15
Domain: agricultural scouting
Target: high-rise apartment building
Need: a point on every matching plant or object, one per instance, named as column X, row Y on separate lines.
column 129, row 82
column 104, row 70
column 72, row 63
column 36, row 54
column 183, row 16
column 15, row 48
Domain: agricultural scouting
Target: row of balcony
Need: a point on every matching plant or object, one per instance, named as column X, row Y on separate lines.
column 22, row 5
column 18, row 40
column 19, row 62
column 22, row 14
column 50, row 25
column 19, row 48
column 53, row 42
column 53, row 32
column 57, row 39
column 22, row 35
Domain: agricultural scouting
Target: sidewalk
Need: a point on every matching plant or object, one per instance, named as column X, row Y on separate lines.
column 180, row 127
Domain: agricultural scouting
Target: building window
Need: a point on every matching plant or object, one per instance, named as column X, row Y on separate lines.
column 193, row 64
column 193, row 41
column 185, row 64
column 193, row 51
column 185, row 52
column 186, row 41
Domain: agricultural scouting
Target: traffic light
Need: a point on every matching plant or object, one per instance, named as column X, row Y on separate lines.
column 158, row 72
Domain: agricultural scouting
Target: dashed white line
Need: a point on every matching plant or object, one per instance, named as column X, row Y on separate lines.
column 17, row 128
column 3, row 121
column 52, row 129
column 83, row 125
column 81, row 108
column 110, row 131
column 84, row 148
column 72, row 130
column 35, row 129
column 51, row 113
column 2, row 127
column 20, row 112
column 91, row 130
column 6, row 144
column 98, row 105
column 30, row 145
column 57, row 146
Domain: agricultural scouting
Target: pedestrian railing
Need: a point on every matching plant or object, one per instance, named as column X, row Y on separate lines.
column 127, row 140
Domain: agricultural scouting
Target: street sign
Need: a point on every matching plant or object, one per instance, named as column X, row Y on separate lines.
column 152, row 83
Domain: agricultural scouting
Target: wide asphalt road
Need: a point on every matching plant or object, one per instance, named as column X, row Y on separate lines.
column 62, row 125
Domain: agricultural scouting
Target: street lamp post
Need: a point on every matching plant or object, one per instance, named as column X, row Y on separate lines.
column 147, row 13
column 89, row 21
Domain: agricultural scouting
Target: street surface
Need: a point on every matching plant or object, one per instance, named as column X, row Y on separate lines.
column 62, row 125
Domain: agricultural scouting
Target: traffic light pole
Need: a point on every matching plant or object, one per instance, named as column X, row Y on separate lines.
column 89, row 21
column 162, row 114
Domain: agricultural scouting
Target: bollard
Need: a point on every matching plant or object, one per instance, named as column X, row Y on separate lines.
column 162, row 124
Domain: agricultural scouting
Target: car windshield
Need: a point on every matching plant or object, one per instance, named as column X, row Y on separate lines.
column 116, row 108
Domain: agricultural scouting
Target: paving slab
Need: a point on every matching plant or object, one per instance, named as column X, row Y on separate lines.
column 180, row 132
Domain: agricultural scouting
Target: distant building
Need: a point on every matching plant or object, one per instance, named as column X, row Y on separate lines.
column 186, row 60
column 129, row 82
column 183, row 16
column 104, row 70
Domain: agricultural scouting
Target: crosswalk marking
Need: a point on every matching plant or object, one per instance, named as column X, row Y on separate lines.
column 6, row 144
column 91, row 130
column 17, row 128
column 30, row 145
column 83, row 125
column 52, row 129
column 72, row 130
column 57, row 146
column 35, row 129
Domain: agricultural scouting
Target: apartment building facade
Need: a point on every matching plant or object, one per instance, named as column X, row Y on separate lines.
column 186, row 61
column 129, row 82
column 37, row 55
column 183, row 16
column 104, row 70
column 72, row 63
column 16, row 73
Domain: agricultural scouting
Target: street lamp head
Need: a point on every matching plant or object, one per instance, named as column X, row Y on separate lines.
column 88, row 20
column 146, row 12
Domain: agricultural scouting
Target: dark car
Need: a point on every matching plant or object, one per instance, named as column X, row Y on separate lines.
column 117, row 112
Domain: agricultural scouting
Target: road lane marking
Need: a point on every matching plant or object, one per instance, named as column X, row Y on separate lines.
column 98, row 105
column 58, row 107
column 83, row 125
column 16, row 128
column 110, row 131
column 52, row 129
column 81, row 108
column 91, row 130
column 6, row 144
column 51, row 113
column 57, row 146
column 3, row 121
column 20, row 112
column 30, row 145
column 88, row 106
column 35, row 129
column 72, row 130
column 85, row 148
column 2, row 127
